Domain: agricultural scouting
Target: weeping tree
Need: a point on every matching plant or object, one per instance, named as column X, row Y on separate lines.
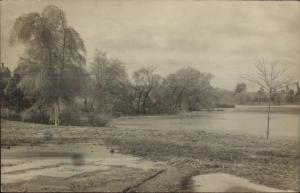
column 52, row 65
column 272, row 79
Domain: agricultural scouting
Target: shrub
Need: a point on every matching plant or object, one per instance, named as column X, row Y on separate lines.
column 100, row 119
column 10, row 114
column 101, row 114
column 70, row 116
column 48, row 135
column 34, row 115
column 117, row 114
column 225, row 106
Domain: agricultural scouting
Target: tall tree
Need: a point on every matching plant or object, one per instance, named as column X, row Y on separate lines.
column 145, row 80
column 111, row 81
column 4, row 78
column 271, row 79
column 52, row 64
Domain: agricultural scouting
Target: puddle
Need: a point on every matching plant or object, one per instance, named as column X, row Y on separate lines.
column 220, row 182
column 24, row 163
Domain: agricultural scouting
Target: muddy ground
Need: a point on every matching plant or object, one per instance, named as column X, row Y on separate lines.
column 274, row 163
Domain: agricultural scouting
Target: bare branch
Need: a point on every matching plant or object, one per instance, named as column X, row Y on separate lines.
column 271, row 80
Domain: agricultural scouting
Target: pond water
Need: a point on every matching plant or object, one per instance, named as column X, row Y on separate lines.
column 285, row 121
column 24, row 162
column 220, row 182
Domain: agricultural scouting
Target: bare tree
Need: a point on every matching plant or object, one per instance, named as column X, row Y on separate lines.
column 271, row 79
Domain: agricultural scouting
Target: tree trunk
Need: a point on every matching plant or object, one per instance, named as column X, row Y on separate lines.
column 57, row 105
column 158, row 104
column 57, row 114
column 85, row 103
column 268, row 118
column 144, row 106
column 144, row 103
column 0, row 112
column 139, row 102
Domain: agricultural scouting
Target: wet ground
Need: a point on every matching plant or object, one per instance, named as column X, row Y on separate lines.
column 28, row 164
column 21, row 163
column 43, row 158
column 220, row 182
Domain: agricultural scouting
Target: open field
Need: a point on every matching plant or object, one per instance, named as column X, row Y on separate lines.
column 274, row 163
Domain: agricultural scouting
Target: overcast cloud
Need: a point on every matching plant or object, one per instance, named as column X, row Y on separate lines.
column 223, row 38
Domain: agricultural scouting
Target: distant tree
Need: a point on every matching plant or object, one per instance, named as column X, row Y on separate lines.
column 261, row 95
column 278, row 97
column 15, row 97
column 4, row 78
column 111, row 82
column 51, row 67
column 289, row 95
column 240, row 93
column 157, row 96
column 190, row 87
column 145, row 80
column 223, row 96
column 297, row 94
column 240, row 87
column 271, row 79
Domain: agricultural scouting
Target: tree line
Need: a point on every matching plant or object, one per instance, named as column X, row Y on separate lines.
column 53, row 84
column 285, row 95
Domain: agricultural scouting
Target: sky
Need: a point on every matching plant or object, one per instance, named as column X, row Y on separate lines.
column 226, row 39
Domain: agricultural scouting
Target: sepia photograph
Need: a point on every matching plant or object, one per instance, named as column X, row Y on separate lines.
column 150, row 96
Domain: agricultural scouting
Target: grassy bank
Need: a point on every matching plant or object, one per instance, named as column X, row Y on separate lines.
column 274, row 163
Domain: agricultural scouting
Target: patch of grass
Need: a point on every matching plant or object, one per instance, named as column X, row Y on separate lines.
column 274, row 163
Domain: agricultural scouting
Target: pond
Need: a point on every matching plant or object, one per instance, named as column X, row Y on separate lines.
column 245, row 120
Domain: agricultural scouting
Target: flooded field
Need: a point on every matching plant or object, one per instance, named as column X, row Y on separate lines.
column 285, row 121
column 23, row 163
